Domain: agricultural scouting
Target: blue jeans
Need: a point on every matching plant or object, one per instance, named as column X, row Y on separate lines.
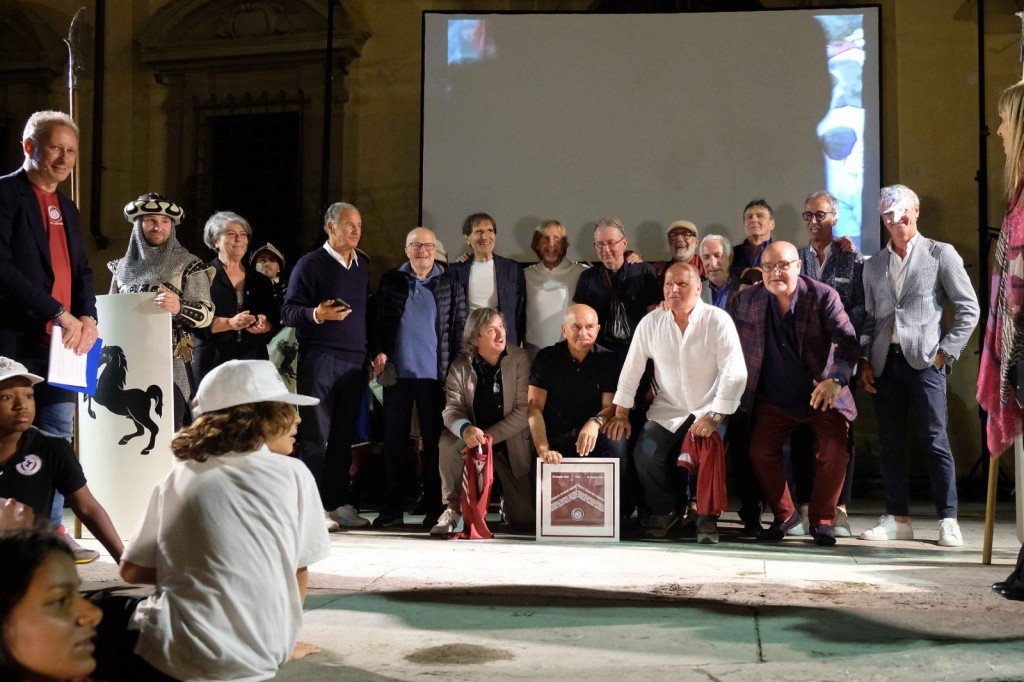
column 57, row 419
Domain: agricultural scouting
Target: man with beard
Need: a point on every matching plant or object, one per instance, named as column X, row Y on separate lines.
column 156, row 261
column 550, row 286
column 682, row 244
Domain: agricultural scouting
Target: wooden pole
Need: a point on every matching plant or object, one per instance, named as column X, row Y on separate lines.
column 990, row 512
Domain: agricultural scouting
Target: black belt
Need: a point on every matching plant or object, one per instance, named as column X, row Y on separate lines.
column 895, row 348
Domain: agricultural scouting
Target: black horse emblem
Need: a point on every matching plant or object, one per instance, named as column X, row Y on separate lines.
column 132, row 403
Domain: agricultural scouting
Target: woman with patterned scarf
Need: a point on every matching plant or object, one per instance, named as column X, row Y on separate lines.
column 1003, row 351
column 156, row 261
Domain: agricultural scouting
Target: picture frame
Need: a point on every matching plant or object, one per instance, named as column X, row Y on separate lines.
column 579, row 500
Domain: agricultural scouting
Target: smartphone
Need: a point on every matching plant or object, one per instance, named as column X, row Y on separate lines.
column 339, row 303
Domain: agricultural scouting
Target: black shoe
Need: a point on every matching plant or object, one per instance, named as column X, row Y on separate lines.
column 823, row 535
column 388, row 519
column 777, row 531
column 752, row 528
column 1011, row 593
column 1001, row 585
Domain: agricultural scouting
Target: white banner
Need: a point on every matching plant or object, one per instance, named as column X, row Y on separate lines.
column 125, row 431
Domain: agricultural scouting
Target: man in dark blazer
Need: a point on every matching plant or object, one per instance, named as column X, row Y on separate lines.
column 45, row 277
column 490, row 280
column 908, row 356
column 801, row 351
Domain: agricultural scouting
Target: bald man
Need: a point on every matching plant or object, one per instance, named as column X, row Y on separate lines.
column 800, row 349
column 417, row 318
column 570, row 394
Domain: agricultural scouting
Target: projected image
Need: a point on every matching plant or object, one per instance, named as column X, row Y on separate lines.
column 469, row 41
column 841, row 131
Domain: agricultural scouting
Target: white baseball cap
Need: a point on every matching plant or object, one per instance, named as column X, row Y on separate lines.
column 10, row 369
column 239, row 382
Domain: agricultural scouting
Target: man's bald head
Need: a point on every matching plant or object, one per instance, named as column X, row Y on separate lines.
column 580, row 328
column 780, row 268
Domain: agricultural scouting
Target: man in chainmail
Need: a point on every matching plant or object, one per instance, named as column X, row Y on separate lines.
column 157, row 262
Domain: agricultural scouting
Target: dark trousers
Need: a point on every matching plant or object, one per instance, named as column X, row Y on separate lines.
column 398, row 401
column 655, row 456
column 902, row 390
column 744, row 479
column 116, row 660
column 772, row 426
column 605, row 447
column 327, row 429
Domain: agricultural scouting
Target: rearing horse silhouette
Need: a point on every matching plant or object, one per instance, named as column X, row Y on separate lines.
column 132, row 403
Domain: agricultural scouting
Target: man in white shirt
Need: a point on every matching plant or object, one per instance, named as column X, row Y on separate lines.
column 550, row 286
column 907, row 355
column 701, row 376
column 491, row 281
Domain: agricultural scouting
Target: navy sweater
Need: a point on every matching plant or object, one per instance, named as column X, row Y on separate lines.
column 316, row 278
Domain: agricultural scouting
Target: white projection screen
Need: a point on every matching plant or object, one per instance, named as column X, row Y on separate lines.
column 648, row 118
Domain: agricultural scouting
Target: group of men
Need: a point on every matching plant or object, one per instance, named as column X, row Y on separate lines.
column 652, row 363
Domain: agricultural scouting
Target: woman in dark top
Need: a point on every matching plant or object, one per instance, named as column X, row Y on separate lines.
column 245, row 312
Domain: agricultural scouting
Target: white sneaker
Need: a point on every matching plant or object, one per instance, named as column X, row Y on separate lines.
column 348, row 517
column 949, row 533
column 805, row 523
column 841, row 524
column 888, row 528
column 447, row 523
column 332, row 525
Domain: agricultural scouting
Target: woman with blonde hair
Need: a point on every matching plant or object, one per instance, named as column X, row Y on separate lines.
column 999, row 374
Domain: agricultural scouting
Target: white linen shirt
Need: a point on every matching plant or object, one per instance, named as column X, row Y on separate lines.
column 701, row 370
column 897, row 274
column 549, row 291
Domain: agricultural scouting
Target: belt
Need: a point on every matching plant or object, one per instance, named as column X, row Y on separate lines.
column 895, row 348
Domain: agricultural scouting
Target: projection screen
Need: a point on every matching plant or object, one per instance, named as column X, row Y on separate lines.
column 649, row 118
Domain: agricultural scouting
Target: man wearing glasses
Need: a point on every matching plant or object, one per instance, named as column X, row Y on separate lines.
column 682, row 244
column 621, row 292
column 836, row 263
column 758, row 224
column 418, row 316
column 800, row 350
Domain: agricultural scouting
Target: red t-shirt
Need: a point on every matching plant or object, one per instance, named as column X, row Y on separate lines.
column 60, row 261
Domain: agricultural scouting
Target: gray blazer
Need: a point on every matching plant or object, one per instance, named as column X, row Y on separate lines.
column 705, row 291
column 513, row 430
column 935, row 276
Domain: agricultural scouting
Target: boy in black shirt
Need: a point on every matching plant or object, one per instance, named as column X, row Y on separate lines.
column 33, row 464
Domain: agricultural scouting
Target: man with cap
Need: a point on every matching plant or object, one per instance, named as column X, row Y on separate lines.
column 45, row 278
column 34, row 465
column 269, row 261
column 682, row 244
column 157, row 262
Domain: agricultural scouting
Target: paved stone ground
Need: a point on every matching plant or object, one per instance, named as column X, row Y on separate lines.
column 396, row 605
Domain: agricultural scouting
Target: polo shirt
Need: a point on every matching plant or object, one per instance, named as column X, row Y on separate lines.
column 574, row 388
column 41, row 464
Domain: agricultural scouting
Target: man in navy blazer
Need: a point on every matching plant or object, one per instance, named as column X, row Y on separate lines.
column 44, row 273
column 490, row 280
column 907, row 355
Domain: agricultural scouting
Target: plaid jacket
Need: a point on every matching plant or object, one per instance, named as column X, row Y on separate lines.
column 828, row 344
column 843, row 272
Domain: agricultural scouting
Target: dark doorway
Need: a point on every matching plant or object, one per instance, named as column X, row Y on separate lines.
column 253, row 166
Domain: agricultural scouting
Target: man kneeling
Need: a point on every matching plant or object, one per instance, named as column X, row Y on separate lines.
column 570, row 395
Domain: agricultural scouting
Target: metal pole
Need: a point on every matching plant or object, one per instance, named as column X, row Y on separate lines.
column 325, row 172
column 96, row 167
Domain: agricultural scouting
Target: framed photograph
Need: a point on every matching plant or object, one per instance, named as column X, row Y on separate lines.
column 578, row 500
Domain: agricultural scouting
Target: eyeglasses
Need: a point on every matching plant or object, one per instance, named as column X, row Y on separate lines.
column 781, row 266
column 684, row 234
column 416, row 246
column 607, row 245
column 817, row 215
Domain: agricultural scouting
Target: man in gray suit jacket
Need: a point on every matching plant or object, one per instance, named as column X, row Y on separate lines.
column 906, row 357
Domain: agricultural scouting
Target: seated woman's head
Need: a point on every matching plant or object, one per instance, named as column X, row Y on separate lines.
column 47, row 626
column 241, row 406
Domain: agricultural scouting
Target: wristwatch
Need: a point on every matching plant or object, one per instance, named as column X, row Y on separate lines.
column 715, row 417
column 599, row 420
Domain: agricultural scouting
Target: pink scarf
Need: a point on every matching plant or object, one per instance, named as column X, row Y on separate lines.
column 1004, row 342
